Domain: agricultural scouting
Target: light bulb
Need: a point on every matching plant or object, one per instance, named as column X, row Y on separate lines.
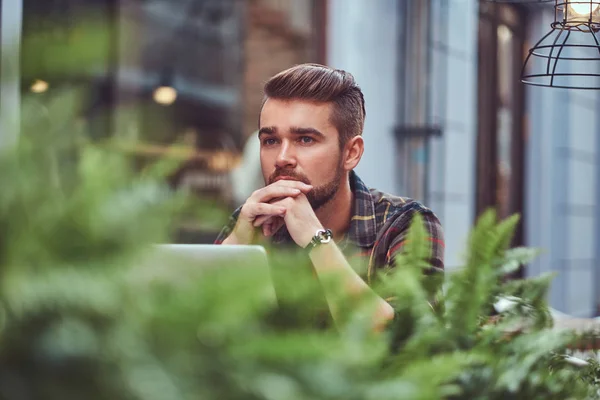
column 219, row 161
column 165, row 95
column 584, row 7
column 39, row 86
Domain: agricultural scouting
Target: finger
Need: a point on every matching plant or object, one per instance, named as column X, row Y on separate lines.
column 304, row 187
column 261, row 220
column 285, row 202
column 266, row 229
column 280, row 189
column 277, row 224
column 252, row 210
column 277, row 200
column 271, row 227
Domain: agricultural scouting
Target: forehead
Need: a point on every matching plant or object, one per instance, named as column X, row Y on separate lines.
column 296, row 113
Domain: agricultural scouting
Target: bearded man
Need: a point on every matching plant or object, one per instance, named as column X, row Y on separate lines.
column 310, row 131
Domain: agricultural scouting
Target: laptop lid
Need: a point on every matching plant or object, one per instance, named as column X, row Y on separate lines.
column 191, row 261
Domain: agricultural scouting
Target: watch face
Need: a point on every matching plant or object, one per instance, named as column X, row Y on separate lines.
column 325, row 239
column 322, row 236
column 325, row 236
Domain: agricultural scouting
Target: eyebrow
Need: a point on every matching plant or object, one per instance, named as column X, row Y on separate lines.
column 267, row 130
column 306, row 131
column 271, row 130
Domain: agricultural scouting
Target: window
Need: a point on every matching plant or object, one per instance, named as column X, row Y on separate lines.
column 414, row 114
column 501, row 133
column 179, row 79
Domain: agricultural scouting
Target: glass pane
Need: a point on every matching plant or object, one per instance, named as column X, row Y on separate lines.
column 178, row 79
column 504, row 119
column 413, row 158
column 415, row 106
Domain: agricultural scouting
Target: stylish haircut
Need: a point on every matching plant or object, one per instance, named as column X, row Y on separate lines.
column 314, row 82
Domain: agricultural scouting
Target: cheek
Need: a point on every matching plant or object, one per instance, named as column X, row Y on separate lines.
column 265, row 164
column 320, row 167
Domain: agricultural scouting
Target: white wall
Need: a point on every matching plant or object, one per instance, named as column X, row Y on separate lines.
column 454, row 92
column 561, row 214
column 562, row 186
column 362, row 39
column 10, row 89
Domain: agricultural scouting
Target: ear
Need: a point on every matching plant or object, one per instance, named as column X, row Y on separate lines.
column 353, row 151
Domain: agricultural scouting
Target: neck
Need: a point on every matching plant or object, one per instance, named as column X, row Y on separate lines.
column 336, row 214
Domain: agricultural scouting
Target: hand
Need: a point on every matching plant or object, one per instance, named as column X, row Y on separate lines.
column 299, row 218
column 258, row 205
column 270, row 224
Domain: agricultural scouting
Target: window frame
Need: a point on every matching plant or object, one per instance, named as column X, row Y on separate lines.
column 491, row 16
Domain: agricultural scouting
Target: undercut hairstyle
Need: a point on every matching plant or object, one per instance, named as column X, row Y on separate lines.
column 319, row 83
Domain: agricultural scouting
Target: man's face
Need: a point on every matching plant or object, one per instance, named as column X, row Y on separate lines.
column 298, row 142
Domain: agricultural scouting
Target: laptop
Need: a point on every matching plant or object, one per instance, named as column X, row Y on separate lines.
column 193, row 260
column 214, row 256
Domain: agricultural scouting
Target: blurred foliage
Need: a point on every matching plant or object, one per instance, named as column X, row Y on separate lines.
column 83, row 317
column 86, row 312
column 73, row 46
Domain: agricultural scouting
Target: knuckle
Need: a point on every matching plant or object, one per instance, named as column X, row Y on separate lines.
column 253, row 207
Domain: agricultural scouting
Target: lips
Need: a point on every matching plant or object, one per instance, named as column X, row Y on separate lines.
column 285, row 178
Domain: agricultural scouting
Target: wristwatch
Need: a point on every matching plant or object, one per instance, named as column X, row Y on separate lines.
column 322, row 236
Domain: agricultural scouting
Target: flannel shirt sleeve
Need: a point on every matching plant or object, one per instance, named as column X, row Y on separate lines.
column 227, row 229
column 435, row 237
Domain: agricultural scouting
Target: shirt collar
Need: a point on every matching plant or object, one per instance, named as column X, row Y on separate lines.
column 363, row 225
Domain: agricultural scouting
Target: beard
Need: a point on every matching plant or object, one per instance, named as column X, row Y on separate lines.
column 319, row 195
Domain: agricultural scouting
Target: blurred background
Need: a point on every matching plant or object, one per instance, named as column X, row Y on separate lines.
column 448, row 121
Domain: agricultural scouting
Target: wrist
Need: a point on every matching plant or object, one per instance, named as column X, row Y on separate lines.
column 318, row 252
column 240, row 237
column 308, row 235
column 231, row 239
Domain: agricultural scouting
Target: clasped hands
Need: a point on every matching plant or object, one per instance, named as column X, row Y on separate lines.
column 281, row 203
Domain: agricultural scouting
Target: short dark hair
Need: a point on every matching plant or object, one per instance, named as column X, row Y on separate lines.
column 314, row 82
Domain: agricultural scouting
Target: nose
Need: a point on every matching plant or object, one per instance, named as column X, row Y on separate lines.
column 286, row 157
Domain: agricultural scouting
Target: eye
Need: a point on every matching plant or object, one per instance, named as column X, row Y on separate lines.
column 268, row 142
column 306, row 140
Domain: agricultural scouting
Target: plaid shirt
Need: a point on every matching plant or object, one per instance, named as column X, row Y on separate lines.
column 377, row 229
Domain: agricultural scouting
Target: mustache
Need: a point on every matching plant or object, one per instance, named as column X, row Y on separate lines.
column 288, row 173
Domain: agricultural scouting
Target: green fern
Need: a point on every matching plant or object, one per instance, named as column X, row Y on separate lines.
column 86, row 313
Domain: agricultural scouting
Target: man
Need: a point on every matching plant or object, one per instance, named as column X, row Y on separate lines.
column 310, row 131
